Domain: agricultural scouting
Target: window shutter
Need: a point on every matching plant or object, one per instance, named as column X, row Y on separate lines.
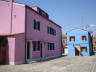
column 34, row 24
column 34, row 45
column 38, row 25
column 48, row 30
column 38, row 45
column 48, row 46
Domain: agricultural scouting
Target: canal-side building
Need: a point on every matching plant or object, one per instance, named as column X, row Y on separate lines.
column 27, row 34
column 79, row 43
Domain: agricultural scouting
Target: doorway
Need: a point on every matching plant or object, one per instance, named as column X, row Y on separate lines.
column 3, row 49
column 29, row 50
column 41, row 52
column 76, row 52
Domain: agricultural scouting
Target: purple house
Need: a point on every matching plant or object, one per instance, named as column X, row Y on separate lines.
column 27, row 34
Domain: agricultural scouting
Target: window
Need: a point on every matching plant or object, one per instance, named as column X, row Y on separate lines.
column 37, row 25
column 84, row 38
column 83, row 49
column 5, row 0
column 50, row 46
column 36, row 45
column 51, row 31
column 72, row 38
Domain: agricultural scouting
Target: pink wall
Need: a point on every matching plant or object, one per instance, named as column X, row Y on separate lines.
column 5, row 19
column 11, row 49
column 42, row 35
column 20, row 48
column 18, row 18
column 16, row 48
column 17, row 42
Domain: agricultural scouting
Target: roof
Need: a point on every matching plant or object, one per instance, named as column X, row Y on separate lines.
column 43, row 16
column 11, row 34
column 76, row 29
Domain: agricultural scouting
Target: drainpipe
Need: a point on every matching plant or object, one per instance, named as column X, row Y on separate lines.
column 11, row 11
column 25, row 33
column 61, row 43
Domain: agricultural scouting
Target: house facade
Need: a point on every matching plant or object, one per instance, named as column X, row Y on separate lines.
column 27, row 34
column 79, row 43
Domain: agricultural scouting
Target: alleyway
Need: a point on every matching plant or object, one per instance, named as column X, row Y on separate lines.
column 63, row 64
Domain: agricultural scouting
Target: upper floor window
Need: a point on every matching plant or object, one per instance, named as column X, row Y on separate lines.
column 51, row 46
column 51, row 31
column 37, row 25
column 72, row 38
column 84, row 38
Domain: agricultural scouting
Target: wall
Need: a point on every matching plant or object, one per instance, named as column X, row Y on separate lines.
column 16, row 43
column 16, row 49
column 11, row 49
column 91, row 44
column 42, row 35
column 20, row 48
column 78, row 33
column 5, row 19
column 18, row 18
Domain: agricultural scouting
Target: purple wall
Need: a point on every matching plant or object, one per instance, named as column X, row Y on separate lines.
column 42, row 35
column 20, row 48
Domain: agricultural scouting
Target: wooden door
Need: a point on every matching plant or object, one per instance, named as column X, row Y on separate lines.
column 2, row 55
column 3, row 46
column 76, row 52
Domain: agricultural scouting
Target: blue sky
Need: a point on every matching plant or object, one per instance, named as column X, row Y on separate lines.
column 67, row 13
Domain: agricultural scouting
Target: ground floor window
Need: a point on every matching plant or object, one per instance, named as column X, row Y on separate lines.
column 51, row 46
column 84, row 49
column 36, row 45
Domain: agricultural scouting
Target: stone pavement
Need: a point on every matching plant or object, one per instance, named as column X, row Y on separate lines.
column 63, row 64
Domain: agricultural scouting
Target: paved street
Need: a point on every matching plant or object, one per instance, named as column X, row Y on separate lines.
column 63, row 64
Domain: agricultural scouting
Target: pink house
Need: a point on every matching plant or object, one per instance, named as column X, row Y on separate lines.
column 27, row 34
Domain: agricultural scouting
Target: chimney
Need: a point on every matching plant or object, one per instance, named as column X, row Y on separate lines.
column 40, row 11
